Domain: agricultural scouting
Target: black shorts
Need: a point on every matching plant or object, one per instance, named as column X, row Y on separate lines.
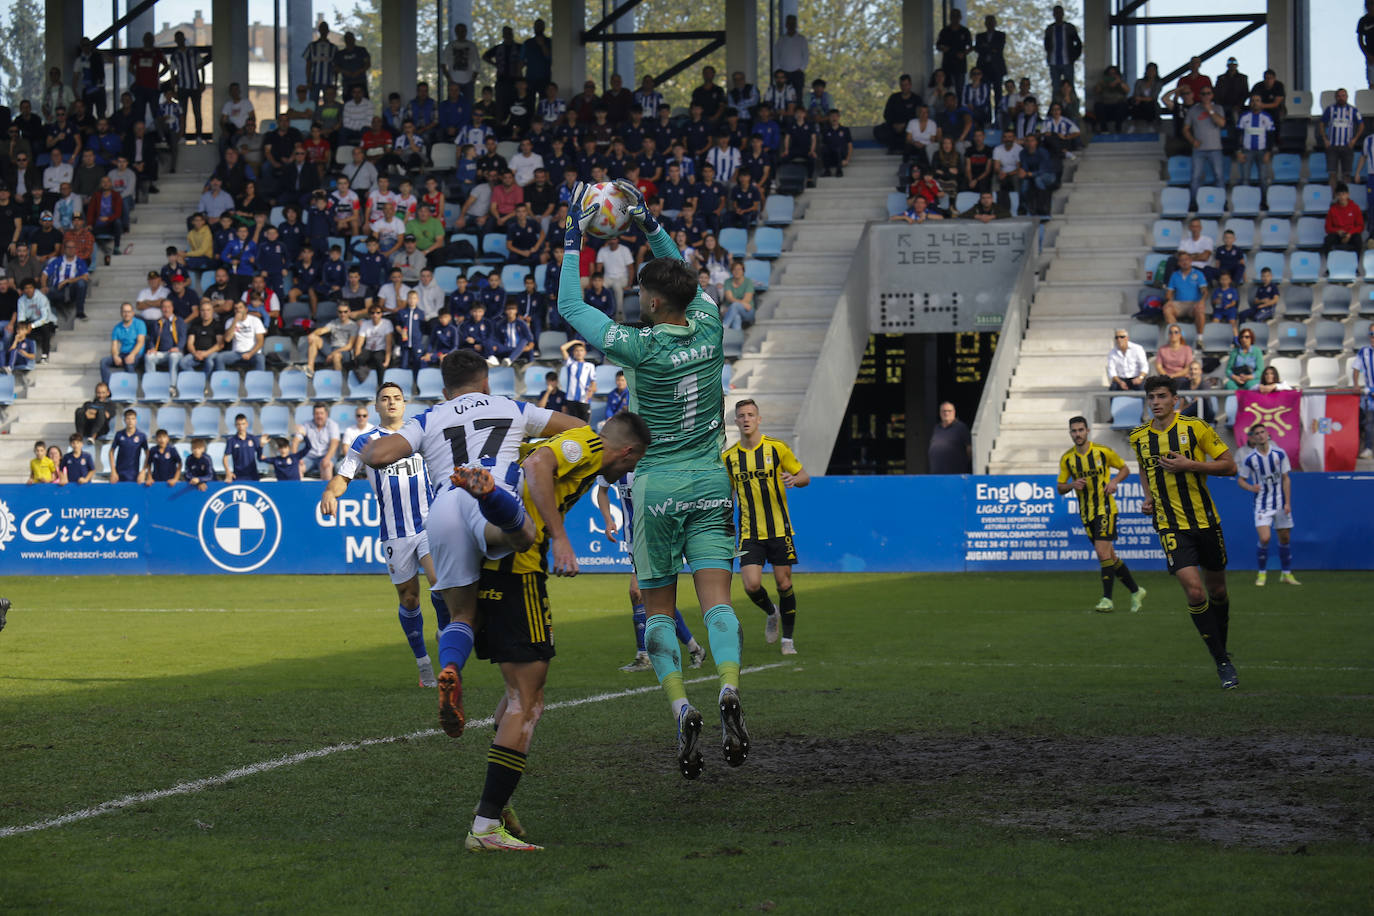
column 513, row 619
column 1203, row 547
column 1102, row 528
column 776, row 551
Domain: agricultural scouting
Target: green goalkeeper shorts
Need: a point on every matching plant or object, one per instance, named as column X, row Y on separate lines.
column 681, row 515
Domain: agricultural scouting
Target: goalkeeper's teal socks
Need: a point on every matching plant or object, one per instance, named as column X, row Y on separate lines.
column 660, row 637
column 727, row 642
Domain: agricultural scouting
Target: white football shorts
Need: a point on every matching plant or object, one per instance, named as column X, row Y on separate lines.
column 403, row 556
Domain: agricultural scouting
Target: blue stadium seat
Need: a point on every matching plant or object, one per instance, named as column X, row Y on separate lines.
column 190, row 387
column 1229, row 410
column 302, row 414
column 1211, row 200
column 402, row 377
column 157, row 387
column 735, row 241
column 964, row 200
column 1152, row 261
column 1173, row 202
column 759, row 272
column 1316, row 199
column 293, row 386
column 342, row 414
column 1311, row 232
column 1343, row 266
column 205, row 422
column 598, row 413
column 541, row 273
column 534, row 380
column 780, row 209
column 1245, row 201
column 767, row 243
column 275, row 420
column 214, row 450
column 278, row 214
column 1245, row 232
column 631, row 306
column 1282, row 200
column 896, row 203
column 478, row 270
column 207, row 279
column 502, row 381
column 1367, row 262
column 1126, row 412
column 1290, row 337
column 279, row 350
column 446, row 278
column 124, row 387
column 1166, row 233
column 1328, row 336
column 224, row 386
column 1296, row 302
column 513, row 277
column 1180, row 171
column 430, row 382
column 327, row 385
column 549, row 342
column 1275, row 233
column 354, row 247
column 1316, row 168
column 1336, row 299
column 1216, row 337
column 493, row 248
column 733, row 343
column 258, row 385
column 726, row 373
column 366, row 390
column 1287, row 168
column 605, row 378
column 172, row 419
column 1305, row 267
column 1273, row 260
column 469, row 237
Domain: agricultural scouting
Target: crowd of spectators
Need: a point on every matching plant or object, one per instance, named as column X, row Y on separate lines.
column 388, row 232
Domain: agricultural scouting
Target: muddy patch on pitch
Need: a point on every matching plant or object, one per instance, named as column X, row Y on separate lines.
column 1238, row 791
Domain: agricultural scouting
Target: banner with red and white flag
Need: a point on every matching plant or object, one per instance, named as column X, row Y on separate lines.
column 1330, row 432
column 1280, row 411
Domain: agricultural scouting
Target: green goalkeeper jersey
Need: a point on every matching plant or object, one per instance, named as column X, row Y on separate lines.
column 673, row 371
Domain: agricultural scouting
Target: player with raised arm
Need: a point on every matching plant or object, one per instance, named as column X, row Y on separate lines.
column 471, row 446
column 623, row 485
column 681, row 489
column 403, row 497
column 1173, row 452
column 762, row 469
column 515, row 628
column 1265, row 472
column 1086, row 470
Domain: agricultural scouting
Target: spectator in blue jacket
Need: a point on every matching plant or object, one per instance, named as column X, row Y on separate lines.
column 286, row 463
column 531, row 306
column 127, row 450
column 240, row 254
column 200, row 471
column 242, row 452
column 618, row 398
column 443, row 340
column 512, row 340
column 66, row 279
column 475, row 333
column 272, row 260
column 164, row 464
column 409, row 323
column 1038, row 177
column 494, row 296
column 77, row 465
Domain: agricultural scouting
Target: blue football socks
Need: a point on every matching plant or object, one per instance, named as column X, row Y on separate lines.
column 684, row 635
column 413, row 624
column 455, row 645
column 1286, row 557
column 641, row 620
column 502, row 509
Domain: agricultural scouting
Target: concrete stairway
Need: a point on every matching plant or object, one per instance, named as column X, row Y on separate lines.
column 781, row 349
column 1094, row 269
column 69, row 378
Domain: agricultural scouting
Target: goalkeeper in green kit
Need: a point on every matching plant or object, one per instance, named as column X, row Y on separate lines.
column 681, row 491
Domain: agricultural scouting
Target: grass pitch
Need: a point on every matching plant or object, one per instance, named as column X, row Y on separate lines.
column 943, row 743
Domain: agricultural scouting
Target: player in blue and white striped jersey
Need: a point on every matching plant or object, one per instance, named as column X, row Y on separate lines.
column 403, row 496
column 623, row 488
column 471, row 447
column 319, row 62
column 1265, row 472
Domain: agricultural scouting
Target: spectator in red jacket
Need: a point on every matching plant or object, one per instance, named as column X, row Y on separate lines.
column 105, row 212
column 1344, row 222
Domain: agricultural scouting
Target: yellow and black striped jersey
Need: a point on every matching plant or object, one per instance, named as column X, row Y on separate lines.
column 579, row 452
column 1181, row 500
column 755, row 473
column 1096, row 467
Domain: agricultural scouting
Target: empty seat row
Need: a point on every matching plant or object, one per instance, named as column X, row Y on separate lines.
column 1288, row 169
column 1282, row 200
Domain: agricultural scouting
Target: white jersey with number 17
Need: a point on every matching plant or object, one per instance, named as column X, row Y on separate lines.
column 475, row 430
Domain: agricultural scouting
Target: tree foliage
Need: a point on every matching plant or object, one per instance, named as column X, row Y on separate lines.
column 22, row 53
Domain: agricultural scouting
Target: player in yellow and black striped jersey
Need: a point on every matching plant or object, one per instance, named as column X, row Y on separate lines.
column 761, row 470
column 515, row 629
column 1173, row 452
column 1086, row 469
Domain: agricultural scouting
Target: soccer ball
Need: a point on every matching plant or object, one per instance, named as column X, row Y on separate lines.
column 612, row 214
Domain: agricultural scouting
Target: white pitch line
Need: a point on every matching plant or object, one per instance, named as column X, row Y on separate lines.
column 277, row 763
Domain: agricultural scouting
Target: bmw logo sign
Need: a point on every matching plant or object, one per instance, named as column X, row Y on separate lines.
column 239, row 528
